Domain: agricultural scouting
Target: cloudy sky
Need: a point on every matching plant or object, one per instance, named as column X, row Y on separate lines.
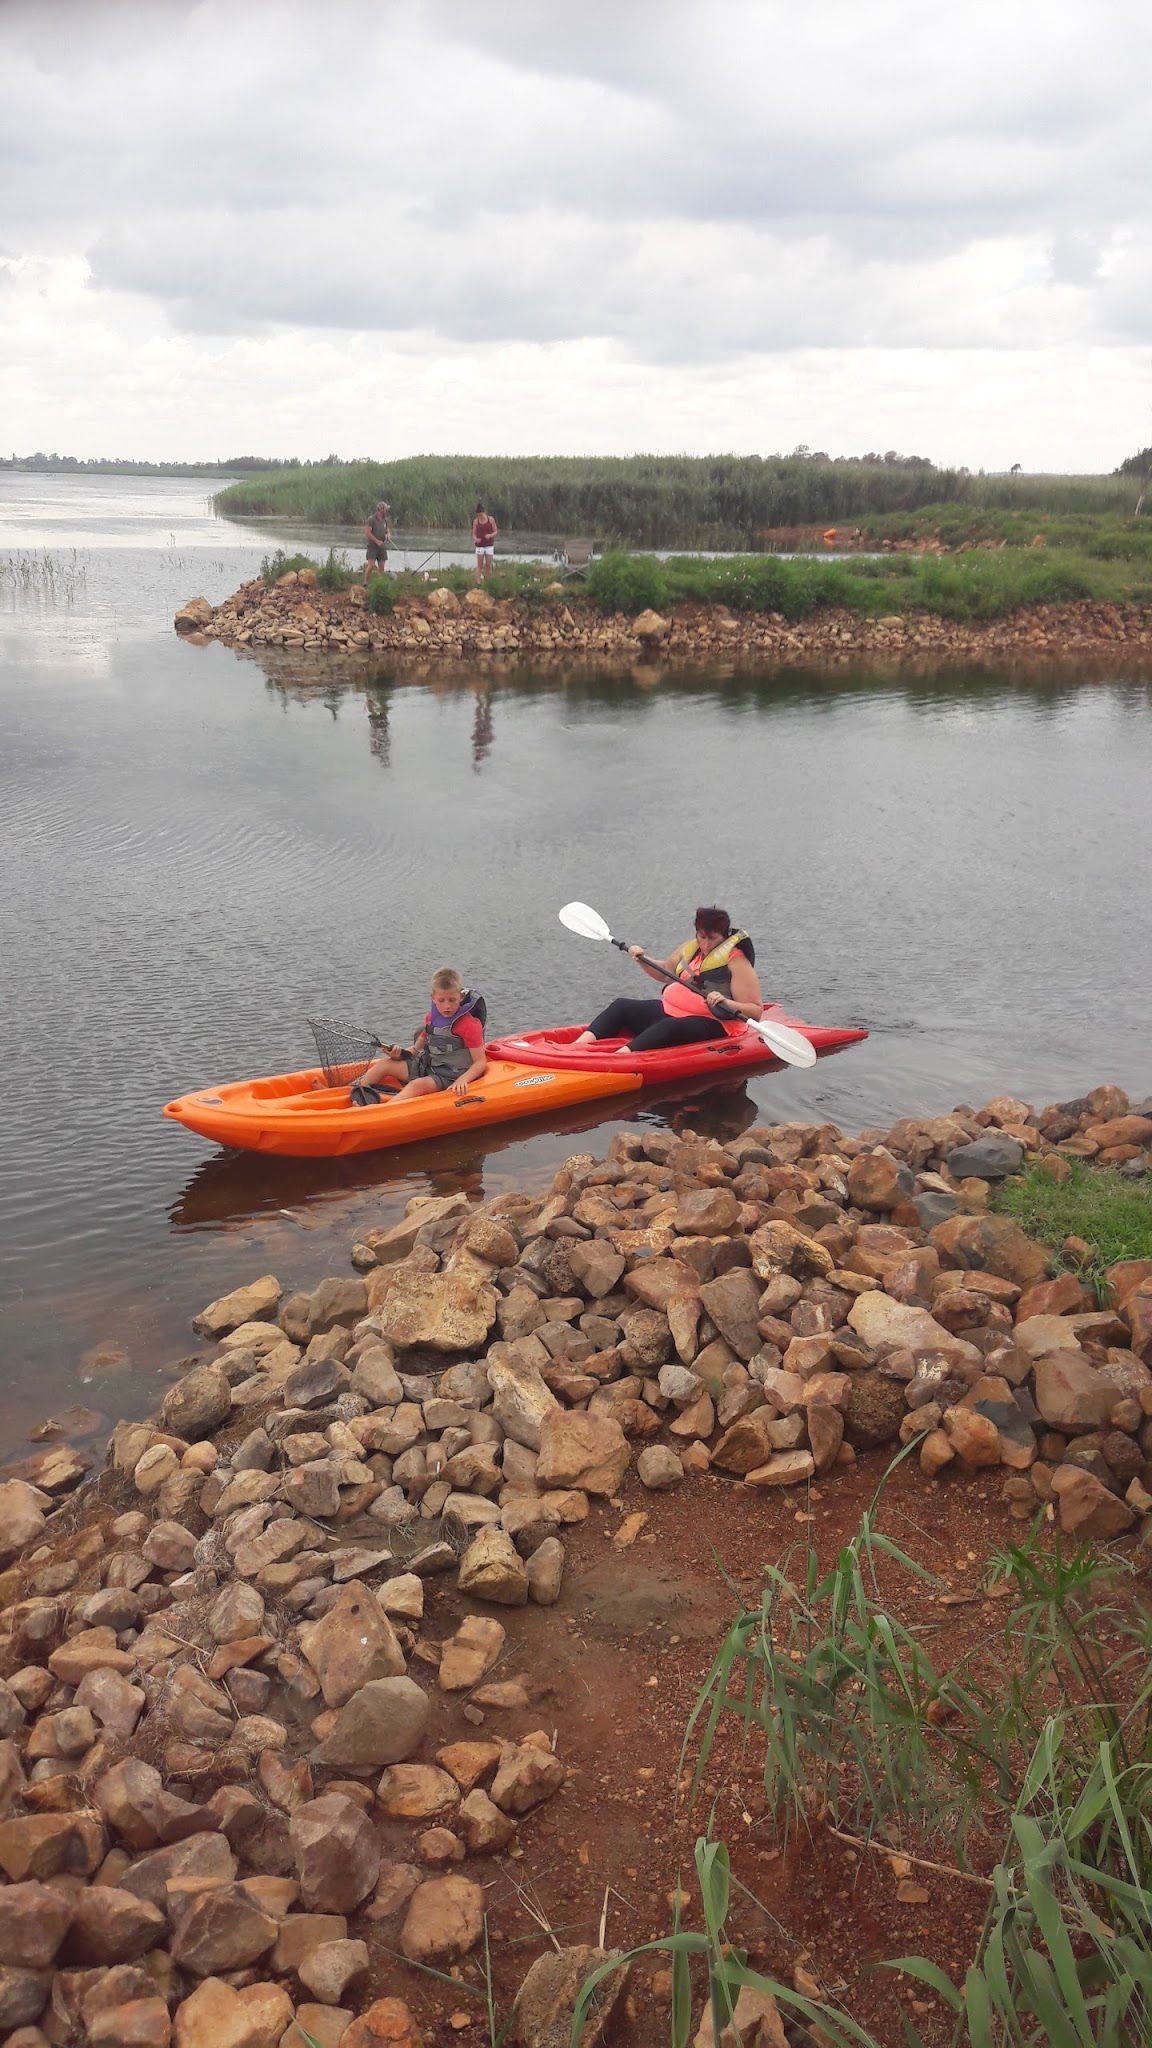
column 512, row 226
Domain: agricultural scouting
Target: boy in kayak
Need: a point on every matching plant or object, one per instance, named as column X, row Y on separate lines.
column 447, row 1051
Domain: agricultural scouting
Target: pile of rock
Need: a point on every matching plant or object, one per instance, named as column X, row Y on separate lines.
column 218, row 1682
column 294, row 614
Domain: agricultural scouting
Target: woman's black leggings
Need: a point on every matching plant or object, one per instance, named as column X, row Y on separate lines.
column 648, row 1029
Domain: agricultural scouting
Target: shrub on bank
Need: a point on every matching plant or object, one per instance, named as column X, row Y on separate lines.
column 628, row 583
column 334, row 574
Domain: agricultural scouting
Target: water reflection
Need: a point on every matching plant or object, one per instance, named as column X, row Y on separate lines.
column 238, row 1187
column 951, row 697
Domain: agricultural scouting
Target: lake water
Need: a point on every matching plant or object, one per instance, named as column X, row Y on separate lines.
column 199, row 849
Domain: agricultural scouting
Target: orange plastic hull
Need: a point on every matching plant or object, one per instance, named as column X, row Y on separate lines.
column 299, row 1117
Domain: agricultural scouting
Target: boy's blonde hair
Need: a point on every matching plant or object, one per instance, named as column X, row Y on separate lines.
column 446, row 977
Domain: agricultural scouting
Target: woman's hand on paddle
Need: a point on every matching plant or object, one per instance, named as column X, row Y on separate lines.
column 714, row 999
column 634, row 952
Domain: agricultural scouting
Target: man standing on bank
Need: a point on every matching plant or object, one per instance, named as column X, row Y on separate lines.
column 484, row 531
column 378, row 533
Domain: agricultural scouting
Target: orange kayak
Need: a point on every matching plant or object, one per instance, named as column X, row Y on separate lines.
column 300, row 1117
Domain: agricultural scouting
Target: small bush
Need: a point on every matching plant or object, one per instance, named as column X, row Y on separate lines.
column 627, row 583
column 279, row 564
column 381, row 594
column 336, row 573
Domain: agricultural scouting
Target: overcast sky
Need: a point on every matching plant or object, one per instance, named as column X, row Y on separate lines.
column 235, row 226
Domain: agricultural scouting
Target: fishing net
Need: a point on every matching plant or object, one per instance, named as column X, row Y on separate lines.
column 343, row 1050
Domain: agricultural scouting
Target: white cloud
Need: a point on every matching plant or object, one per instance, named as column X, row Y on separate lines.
column 367, row 228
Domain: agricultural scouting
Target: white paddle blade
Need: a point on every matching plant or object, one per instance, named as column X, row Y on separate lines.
column 788, row 1045
column 587, row 923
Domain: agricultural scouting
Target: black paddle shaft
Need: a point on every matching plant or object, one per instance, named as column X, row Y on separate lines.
column 645, row 960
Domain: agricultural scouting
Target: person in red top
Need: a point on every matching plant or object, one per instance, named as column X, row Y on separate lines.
column 484, row 531
column 447, row 1051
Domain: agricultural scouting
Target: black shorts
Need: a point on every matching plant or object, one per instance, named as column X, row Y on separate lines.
column 377, row 552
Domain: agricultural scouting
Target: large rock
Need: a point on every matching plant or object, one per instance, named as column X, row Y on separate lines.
column 388, row 2023
column 587, row 1451
column 197, row 1404
column 492, row 1569
column 352, row 1644
column 337, row 1853
column 992, row 1157
column 34, row 1918
column 112, row 1926
column 1069, row 1393
column 1086, row 1508
column 597, row 1267
column 659, row 1468
column 990, row 1244
column 383, row 1723
column 217, row 2016
column 546, row 2000
column 706, row 1212
column 520, row 1399
column 1138, row 1315
column 21, row 1517
column 221, row 1930
column 752, row 1441
column 887, row 1325
column 440, row 1311
column 46, row 1845
column 878, row 1182
column 471, row 1652
column 733, row 1302
column 255, row 1303
column 529, row 1773
column 445, row 1919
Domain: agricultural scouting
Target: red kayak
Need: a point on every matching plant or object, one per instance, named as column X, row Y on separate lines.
column 737, row 1051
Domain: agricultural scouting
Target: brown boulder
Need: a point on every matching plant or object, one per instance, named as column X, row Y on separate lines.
column 337, row 1853
column 879, row 1182
column 733, row 1303
column 529, row 1774
column 1088, row 1509
column 992, row 1244
column 34, row 1918
column 351, row 1645
column 221, row 1930
column 579, row 1450
column 442, row 1311
column 445, row 1919
column 546, row 2000
column 112, row 1926
column 1069, row 1393
column 388, row 2023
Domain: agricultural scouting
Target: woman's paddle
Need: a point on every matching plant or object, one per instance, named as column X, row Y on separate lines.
column 787, row 1045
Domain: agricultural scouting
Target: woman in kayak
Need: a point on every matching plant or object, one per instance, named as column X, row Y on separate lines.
column 715, row 967
column 447, row 1051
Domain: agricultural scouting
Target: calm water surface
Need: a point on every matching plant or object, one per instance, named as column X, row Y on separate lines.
column 198, row 850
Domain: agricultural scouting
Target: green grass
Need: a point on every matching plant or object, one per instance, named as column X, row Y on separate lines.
column 1035, row 1748
column 659, row 501
column 964, row 587
column 1110, row 1212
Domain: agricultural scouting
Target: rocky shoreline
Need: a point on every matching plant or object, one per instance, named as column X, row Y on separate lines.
column 264, row 1734
column 295, row 614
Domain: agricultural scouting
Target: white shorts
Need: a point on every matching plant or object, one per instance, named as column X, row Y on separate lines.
column 481, row 552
